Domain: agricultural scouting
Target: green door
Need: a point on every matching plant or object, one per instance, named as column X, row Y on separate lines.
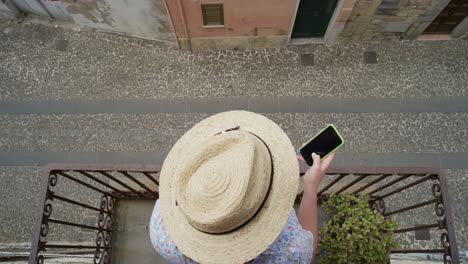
column 312, row 18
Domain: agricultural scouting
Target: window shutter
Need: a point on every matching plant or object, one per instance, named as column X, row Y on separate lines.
column 213, row 14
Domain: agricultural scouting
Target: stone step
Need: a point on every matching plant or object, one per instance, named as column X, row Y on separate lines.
column 371, row 132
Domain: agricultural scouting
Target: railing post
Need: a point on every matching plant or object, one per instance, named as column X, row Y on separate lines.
column 448, row 241
column 42, row 226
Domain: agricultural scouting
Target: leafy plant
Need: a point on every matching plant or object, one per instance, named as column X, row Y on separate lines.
column 355, row 233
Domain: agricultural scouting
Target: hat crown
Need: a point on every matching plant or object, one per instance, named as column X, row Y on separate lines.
column 224, row 182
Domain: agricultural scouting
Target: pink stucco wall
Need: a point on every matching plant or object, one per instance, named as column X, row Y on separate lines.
column 242, row 18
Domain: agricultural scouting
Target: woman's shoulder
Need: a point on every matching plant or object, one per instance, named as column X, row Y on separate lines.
column 293, row 245
column 161, row 240
column 294, row 233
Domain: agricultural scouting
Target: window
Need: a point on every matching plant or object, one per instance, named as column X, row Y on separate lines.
column 213, row 14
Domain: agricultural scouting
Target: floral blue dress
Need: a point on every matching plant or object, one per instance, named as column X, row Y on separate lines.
column 293, row 245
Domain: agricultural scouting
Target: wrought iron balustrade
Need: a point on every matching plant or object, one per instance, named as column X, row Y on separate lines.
column 101, row 186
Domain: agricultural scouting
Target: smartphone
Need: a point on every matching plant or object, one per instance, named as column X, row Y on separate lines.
column 324, row 143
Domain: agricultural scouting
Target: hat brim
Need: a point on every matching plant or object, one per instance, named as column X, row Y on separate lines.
column 249, row 241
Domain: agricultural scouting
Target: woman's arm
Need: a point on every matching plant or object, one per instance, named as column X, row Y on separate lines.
column 307, row 215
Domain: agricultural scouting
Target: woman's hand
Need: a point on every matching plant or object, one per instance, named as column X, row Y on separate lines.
column 314, row 175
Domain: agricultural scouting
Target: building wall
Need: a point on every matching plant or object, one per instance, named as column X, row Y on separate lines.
column 259, row 23
column 7, row 11
column 461, row 31
column 249, row 24
column 141, row 18
column 368, row 22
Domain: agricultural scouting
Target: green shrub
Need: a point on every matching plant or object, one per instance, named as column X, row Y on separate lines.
column 355, row 233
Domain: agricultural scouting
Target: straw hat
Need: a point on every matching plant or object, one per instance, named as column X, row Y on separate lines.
column 225, row 197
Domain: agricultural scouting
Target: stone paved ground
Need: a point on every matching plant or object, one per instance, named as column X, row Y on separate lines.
column 83, row 97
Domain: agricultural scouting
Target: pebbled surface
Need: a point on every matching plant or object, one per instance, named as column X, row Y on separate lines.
column 98, row 65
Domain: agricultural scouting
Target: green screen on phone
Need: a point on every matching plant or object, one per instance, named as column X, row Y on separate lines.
column 323, row 144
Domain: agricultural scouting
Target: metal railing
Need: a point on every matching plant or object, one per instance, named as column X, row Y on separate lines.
column 101, row 186
column 111, row 183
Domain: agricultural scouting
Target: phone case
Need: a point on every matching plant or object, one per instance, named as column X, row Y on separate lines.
column 338, row 133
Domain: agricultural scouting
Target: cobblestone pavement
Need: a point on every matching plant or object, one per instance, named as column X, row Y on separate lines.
column 68, row 96
column 108, row 66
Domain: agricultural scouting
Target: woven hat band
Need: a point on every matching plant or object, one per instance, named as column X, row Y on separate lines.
column 224, row 182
